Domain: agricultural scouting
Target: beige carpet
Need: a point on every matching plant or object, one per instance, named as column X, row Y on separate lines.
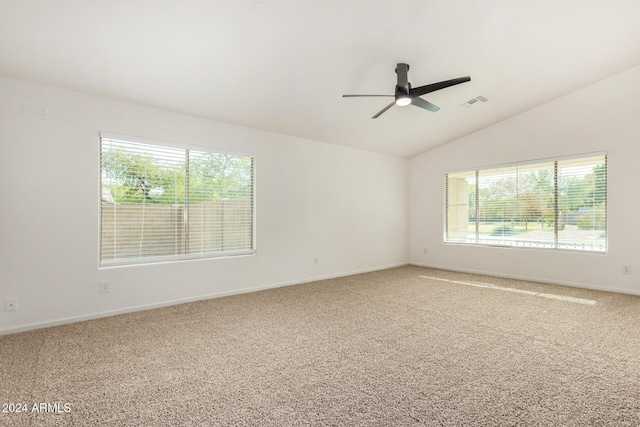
column 388, row 348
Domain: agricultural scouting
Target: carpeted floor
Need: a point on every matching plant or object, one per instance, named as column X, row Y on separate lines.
column 405, row 346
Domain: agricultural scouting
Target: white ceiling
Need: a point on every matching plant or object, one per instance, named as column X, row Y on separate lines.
column 285, row 69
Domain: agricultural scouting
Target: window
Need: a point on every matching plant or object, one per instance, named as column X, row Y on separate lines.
column 558, row 203
column 163, row 202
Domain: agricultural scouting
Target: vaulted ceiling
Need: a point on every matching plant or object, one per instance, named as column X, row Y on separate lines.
column 283, row 65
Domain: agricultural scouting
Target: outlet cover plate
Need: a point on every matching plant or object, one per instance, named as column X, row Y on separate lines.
column 104, row 287
column 11, row 304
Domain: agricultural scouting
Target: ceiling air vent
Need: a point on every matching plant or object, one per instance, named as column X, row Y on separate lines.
column 470, row 102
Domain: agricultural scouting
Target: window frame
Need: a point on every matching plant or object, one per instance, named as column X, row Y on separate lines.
column 519, row 245
column 155, row 259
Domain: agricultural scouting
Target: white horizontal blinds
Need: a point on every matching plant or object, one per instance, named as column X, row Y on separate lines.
column 220, row 202
column 165, row 203
column 142, row 196
column 497, row 190
column 582, row 203
column 461, row 206
column 551, row 204
column 516, row 205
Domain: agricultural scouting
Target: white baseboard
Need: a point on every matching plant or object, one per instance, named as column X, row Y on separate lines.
column 109, row 313
column 530, row 279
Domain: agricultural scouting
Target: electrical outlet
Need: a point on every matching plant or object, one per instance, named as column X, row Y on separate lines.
column 626, row 269
column 315, row 261
column 104, row 287
column 11, row 304
column 43, row 113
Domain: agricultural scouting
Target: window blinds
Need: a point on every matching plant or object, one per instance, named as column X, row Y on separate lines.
column 161, row 203
column 558, row 204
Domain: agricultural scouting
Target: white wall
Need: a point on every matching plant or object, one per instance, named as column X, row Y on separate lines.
column 602, row 117
column 347, row 207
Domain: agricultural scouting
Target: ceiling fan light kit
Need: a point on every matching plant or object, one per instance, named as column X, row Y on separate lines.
column 405, row 94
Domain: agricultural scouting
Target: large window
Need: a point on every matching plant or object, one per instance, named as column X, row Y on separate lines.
column 164, row 202
column 558, row 203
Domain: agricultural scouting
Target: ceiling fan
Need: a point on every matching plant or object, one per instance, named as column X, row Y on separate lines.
column 406, row 95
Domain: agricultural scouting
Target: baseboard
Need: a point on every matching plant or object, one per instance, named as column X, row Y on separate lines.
column 132, row 309
column 529, row 278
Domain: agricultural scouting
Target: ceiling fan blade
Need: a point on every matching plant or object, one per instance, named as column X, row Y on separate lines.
column 419, row 102
column 403, row 80
column 356, row 96
column 422, row 90
column 383, row 110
